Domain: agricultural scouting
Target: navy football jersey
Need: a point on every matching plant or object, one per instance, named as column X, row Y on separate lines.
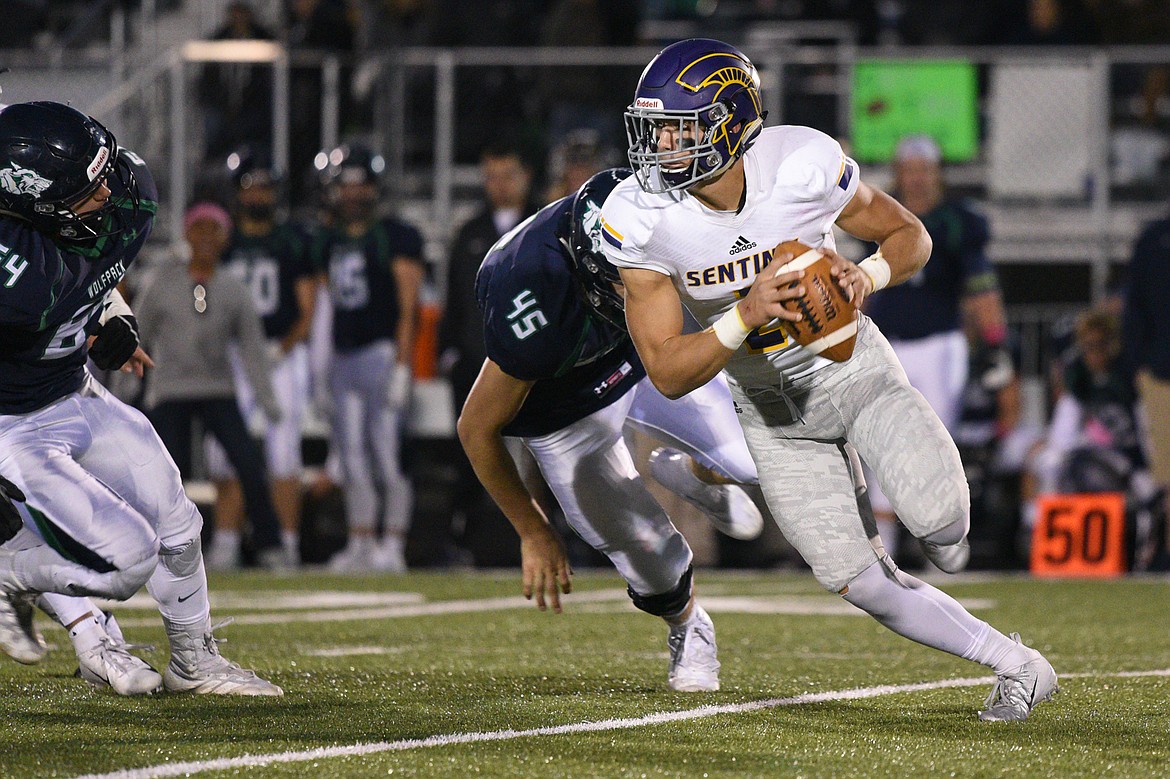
column 361, row 279
column 930, row 302
column 537, row 328
column 51, row 295
column 271, row 265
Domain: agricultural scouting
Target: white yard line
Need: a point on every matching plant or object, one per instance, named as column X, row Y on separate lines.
column 398, row 605
column 324, row 753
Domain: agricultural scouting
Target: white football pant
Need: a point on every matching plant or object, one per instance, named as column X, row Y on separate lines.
column 282, row 440
column 105, row 500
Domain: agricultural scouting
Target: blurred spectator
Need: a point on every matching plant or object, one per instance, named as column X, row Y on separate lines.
column 394, row 24
column 1092, row 443
column 271, row 257
column 189, row 315
column 574, row 160
column 496, row 99
column 1052, row 23
column 574, row 96
column 1147, row 350
column 507, row 185
column 24, row 20
column 236, row 98
column 1131, row 21
column 923, row 318
column 374, row 269
column 316, row 28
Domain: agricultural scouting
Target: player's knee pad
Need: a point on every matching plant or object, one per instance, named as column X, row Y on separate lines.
column 666, row 604
column 185, row 560
column 122, row 583
column 181, row 524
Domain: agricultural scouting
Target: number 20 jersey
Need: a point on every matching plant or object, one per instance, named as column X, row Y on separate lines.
column 798, row 180
column 271, row 265
column 537, row 328
column 51, row 295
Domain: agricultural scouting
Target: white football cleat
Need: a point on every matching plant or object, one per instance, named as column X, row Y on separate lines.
column 950, row 558
column 19, row 637
column 1019, row 691
column 388, row 555
column 197, row 666
column 728, row 506
column 354, row 558
column 694, row 666
column 110, row 664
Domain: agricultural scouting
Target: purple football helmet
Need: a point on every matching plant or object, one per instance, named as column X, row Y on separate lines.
column 707, row 95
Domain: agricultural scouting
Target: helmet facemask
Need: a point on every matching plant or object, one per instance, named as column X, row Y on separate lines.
column 109, row 218
column 595, row 274
column 701, row 149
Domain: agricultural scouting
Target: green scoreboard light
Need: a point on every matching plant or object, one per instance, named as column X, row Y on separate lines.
column 895, row 98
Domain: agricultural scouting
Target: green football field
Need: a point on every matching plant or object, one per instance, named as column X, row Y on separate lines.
column 453, row 674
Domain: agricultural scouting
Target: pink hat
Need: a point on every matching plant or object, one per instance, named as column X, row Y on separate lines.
column 206, row 210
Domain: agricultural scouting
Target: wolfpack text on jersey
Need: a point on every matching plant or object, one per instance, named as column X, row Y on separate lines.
column 798, row 181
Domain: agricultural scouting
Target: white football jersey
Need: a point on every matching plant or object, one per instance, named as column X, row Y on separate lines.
column 798, row 181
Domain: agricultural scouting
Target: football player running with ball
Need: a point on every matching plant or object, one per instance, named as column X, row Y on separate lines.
column 107, row 511
column 562, row 377
column 713, row 192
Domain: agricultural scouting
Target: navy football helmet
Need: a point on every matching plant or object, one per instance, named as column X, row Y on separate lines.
column 595, row 274
column 250, row 167
column 350, row 164
column 705, row 92
column 52, row 158
column 347, row 165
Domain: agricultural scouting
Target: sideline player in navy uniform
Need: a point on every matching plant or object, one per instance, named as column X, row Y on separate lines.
column 563, row 377
column 105, row 509
column 272, row 257
column 374, row 269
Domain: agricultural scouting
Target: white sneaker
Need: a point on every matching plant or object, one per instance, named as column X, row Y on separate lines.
column 354, row 558
column 275, row 559
column 222, row 557
column 19, row 637
column 730, row 509
column 1019, row 691
column 950, row 558
column 110, row 664
column 197, row 666
column 694, row 666
column 388, row 555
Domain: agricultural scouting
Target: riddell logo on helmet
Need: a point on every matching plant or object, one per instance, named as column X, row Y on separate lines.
column 647, row 102
column 99, row 162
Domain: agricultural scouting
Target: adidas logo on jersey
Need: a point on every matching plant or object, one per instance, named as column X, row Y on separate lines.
column 742, row 245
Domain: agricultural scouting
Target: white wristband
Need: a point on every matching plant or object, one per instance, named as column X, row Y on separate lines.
column 730, row 329
column 878, row 270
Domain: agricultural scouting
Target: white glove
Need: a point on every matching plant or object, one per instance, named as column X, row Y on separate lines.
column 399, row 386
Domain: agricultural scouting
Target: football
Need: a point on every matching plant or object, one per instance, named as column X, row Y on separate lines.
column 829, row 326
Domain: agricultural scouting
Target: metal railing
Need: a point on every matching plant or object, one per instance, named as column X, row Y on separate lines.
column 153, row 103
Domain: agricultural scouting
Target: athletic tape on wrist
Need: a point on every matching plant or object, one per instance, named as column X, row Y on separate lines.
column 115, row 305
column 878, row 270
column 730, row 329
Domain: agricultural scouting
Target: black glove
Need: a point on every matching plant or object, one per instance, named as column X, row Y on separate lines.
column 10, row 521
column 115, row 343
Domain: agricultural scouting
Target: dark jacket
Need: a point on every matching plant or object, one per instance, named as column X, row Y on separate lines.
column 1145, row 331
